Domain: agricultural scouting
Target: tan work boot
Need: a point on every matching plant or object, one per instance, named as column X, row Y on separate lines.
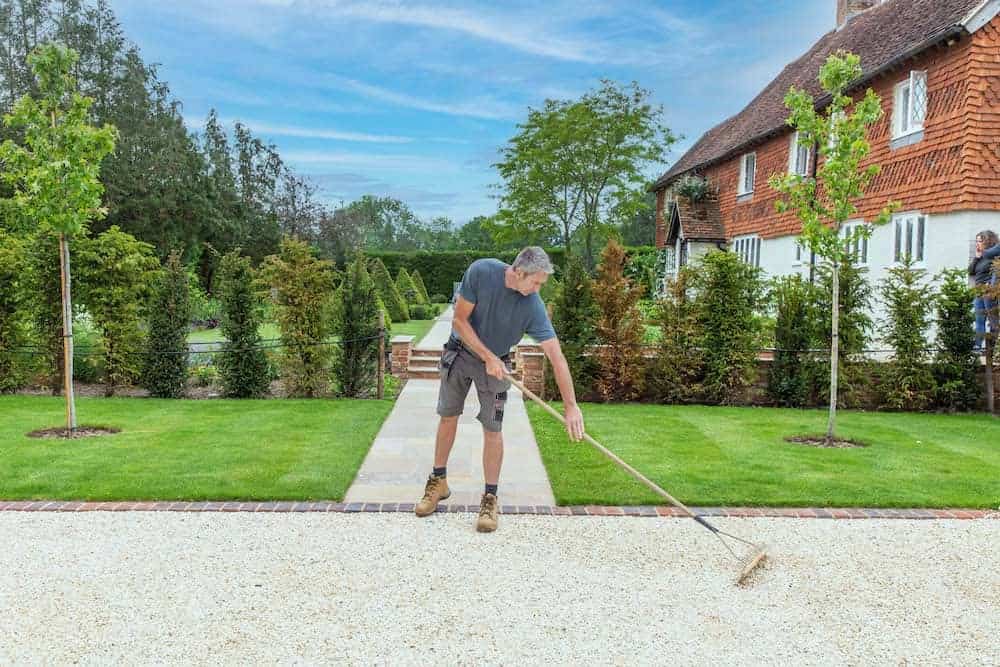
column 488, row 514
column 435, row 491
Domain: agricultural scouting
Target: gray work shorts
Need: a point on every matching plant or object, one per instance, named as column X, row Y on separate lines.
column 459, row 369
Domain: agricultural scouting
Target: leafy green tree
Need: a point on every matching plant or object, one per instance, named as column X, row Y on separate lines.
column 824, row 203
column 117, row 271
column 580, row 165
column 909, row 301
column 640, row 228
column 243, row 365
column 475, row 235
column 13, row 320
column 301, row 289
column 166, row 362
column 355, row 360
column 54, row 175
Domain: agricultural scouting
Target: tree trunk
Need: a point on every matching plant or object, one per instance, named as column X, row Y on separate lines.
column 834, row 353
column 990, row 400
column 67, row 333
column 589, row 238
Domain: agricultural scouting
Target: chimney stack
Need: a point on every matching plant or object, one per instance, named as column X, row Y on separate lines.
column 848, row 9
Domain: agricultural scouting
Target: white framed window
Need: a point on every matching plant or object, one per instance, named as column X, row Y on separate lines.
column 802, row 253
column 748, row 249
column 748, row 172
column 909, row 105
column 857, row 247
column 798, row 156
column 909, row 235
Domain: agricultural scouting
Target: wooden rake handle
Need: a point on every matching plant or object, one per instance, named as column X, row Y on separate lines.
column 611, row 455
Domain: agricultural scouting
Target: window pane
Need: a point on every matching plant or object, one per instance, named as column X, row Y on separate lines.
column 898, row 246
column 918, row 97
column 904, row 108
column 920, row 238
column 864, row 250
column 909, row 238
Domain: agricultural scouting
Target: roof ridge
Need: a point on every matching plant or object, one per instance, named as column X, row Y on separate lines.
column 915, row 26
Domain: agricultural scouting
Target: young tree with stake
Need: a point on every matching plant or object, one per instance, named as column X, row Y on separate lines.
column 55, row 174
column 825, row 202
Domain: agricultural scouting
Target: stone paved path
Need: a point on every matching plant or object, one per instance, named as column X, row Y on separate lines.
column 402, row 455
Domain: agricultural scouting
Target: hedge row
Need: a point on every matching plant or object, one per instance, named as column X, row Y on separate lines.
column 440, row 270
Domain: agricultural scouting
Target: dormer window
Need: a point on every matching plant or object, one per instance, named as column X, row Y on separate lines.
column 910, row 105
column 748, row 171
column 798, row 157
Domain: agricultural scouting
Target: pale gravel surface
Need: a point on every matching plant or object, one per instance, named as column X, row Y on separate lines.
column 140, row 588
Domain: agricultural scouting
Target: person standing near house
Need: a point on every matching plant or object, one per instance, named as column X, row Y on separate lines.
column 496, row 305
column 981, row 270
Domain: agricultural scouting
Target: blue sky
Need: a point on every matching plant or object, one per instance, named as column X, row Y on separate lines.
column 413, row 99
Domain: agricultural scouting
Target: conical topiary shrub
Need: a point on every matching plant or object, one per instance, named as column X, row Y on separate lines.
column 407, row 290
column 394, row 303
column 419, row 282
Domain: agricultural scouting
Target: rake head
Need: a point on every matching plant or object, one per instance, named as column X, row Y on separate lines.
column 754, row 560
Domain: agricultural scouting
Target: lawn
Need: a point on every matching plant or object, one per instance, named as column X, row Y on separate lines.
column 269, row 331
column 188, row 450
column 737, row 456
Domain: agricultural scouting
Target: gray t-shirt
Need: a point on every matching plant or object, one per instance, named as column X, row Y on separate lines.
column 501, row 315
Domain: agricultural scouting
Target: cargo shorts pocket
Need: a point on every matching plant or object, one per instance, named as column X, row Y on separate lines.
column 447, row 361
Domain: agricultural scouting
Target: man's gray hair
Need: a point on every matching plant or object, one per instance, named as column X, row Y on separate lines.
column 533, row 260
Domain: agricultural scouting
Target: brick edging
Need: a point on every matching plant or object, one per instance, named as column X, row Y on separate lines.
column 539, row 510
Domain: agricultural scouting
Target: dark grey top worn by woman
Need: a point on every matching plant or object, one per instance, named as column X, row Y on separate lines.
column 980, row 267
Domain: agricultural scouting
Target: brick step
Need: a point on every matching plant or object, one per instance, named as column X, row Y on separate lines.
column 422, row 373
column 420, row 352
column 425, row 362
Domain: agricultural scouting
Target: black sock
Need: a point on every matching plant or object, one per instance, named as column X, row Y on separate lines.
column 491, row 488
column 440, row 472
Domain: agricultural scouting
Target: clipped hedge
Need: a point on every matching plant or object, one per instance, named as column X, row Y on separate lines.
column 440, row 270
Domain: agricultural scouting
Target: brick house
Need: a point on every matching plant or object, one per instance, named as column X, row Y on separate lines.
column 936, row 66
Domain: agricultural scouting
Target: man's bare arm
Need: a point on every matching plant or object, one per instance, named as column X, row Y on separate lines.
column 574, row 418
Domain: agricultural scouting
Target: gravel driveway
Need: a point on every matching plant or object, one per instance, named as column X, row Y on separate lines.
column 220, row 588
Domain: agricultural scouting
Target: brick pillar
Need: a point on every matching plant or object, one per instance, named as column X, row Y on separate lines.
column 401, row 348
column 531, row 367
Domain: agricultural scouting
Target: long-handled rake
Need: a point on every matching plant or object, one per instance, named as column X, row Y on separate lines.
column 751, row 562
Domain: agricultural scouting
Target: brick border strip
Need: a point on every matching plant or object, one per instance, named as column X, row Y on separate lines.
column 539, row 510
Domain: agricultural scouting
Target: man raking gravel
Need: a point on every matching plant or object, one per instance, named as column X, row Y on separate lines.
column 496, row 306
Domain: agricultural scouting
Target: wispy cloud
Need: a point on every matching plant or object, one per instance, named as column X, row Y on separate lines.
column 262, row 127
column 374, row 161
column 478, row 107
column 480, row 26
